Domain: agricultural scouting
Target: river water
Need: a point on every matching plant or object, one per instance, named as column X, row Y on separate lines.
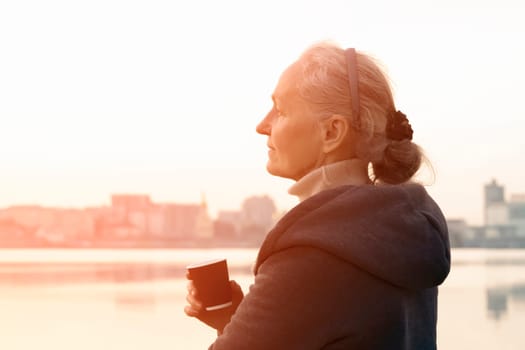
column 133, row 299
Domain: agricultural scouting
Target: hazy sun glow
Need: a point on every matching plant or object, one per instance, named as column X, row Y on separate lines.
column 163, row 97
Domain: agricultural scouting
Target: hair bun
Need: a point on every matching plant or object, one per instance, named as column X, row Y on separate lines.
column 401, row 160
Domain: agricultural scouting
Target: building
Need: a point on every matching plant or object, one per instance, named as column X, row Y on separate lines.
column 180, row 220
column 11, row 231
column 55, row 225
column 495, row 208
column 228, row 224
column 257, row 215
column 458, row 232
column 502, row 217
column 134, row 219
column 131, row 210
column 516, row 213
column 29, row 216
column 203, row 222
column 174, row 221
column 504, row 222
column 130, row 202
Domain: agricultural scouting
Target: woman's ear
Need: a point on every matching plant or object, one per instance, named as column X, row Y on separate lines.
column 334, row 132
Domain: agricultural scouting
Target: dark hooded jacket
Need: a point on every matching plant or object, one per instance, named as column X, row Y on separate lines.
column 355, row 267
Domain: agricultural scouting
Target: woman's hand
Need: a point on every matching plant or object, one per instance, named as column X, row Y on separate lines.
column 217, row 319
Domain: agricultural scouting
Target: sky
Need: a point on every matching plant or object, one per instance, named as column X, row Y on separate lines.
column 162, row 97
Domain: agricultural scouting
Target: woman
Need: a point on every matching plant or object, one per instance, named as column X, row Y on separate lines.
column 356, row 264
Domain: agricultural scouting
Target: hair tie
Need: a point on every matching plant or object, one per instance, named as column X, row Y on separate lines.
column 398, row 127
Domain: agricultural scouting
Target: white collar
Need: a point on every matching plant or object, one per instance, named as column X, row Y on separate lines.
column 346, row 172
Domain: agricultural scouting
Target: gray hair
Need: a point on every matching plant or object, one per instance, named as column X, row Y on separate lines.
column 325, row 86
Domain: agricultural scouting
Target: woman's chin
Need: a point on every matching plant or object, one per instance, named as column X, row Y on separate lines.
column 273, row 170
column 278, row 172
column 270, row 169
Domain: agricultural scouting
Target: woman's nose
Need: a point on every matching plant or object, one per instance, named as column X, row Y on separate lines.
column 264, row 127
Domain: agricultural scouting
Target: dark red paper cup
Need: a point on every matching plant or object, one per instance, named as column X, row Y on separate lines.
column 212, row 282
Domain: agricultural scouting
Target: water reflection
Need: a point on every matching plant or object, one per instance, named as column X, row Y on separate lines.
column 131, row 300
column 19, row 274
column 498, row 299
column 518, row 293
column 139, row 301
column 496, row 303
column 22, row 274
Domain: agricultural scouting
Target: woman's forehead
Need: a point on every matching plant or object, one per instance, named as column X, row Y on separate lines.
column 286, row 90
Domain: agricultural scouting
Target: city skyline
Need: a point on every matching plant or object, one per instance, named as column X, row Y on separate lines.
column 164, row 98
column 135, row 220
column 202, row 201
column 508, row 195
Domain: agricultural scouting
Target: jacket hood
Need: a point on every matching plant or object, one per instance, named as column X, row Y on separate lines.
column 394, row 232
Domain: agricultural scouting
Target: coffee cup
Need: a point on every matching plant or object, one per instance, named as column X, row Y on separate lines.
column 212, row 282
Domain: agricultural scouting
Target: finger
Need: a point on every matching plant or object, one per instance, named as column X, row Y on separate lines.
column 188, row 310
column 191, row 287
column 234, row 285
column 236, row 288
column 192, row 290
column 194, row 303
column 188, row 276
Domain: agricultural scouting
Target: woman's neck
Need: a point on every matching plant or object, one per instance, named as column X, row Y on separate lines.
column 347, row 172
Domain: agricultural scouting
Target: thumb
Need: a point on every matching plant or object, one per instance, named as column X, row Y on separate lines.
column 237, row 294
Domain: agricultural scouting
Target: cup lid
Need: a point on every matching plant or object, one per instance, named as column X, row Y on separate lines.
column 204, row 263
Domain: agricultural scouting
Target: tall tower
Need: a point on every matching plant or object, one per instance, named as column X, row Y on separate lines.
column 495, row 211
column 204, row 224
